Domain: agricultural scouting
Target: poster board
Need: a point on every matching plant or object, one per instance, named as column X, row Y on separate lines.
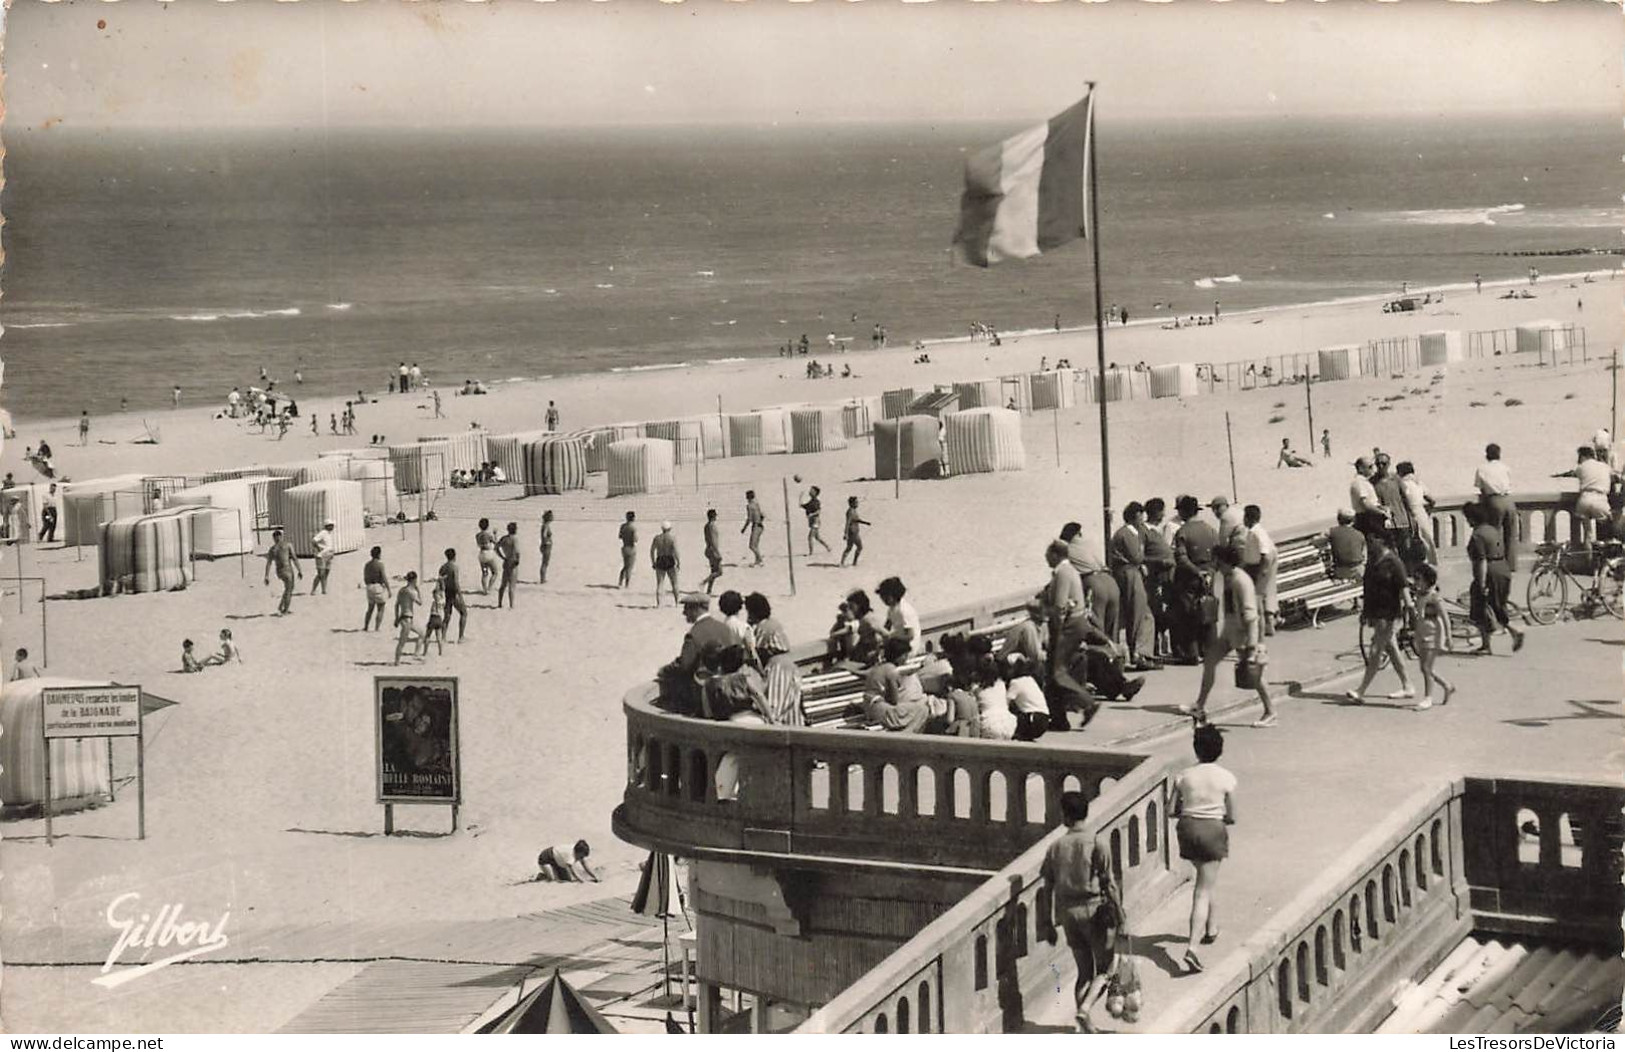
column 416, row 733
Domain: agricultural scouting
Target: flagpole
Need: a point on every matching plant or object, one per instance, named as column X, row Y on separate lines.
column 1100, row 330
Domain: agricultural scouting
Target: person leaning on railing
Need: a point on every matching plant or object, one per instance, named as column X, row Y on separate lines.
column 681, row 680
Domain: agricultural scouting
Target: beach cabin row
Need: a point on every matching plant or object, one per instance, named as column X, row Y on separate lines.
column 966, row 442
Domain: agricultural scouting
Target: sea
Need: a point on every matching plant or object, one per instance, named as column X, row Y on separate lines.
column 136, row 260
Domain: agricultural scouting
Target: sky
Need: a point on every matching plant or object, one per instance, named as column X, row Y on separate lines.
column 261, row 64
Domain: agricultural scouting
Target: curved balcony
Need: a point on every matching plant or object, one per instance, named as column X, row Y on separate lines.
column 917, row 800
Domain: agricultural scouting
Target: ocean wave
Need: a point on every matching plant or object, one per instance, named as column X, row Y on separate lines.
column 705, row 273
column 724, row 361
column 1454, row 216
column 41, row 325
column 603, row 285
column 340, row 306
column 1208, row 283
column 649, row 368
column 238, row 315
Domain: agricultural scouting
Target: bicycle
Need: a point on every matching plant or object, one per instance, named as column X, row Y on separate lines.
column 1459, row 634
column 1558, row 566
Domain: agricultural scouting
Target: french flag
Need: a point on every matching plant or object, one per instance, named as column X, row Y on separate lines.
column 1028, row 194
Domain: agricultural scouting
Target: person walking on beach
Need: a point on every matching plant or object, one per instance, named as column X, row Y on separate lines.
column 375, row 579
column 854, row 532
column 323, row 544
column 552, row 416
column 629, row 548
column 1240, row 627
column 713, row 549
column 508, row 554
column 47, row 516
column 1204, row 809
column 407, row 601
column 1325, row 442
column 1478, row 283
column 1086, row 905
column 755, row 521
column 84, row 427
column 546, row 542
column 175, row 396
column 416, row 376
column 434, row 396
column 280, row 555
column 1384, row 600
column 663, row 557
column 1487, row 551
column 486, row 542
column 454, row 592
column 815, row 514
column 1494, row 484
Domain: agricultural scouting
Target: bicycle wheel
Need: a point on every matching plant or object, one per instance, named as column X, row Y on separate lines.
column 1610, row 583
column 1547, row 595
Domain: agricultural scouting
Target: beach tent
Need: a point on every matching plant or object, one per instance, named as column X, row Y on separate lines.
column 624, row 432
column 1536, row 336
column 935, row 403
column 753, row 434
column 276, row 507
column 859, row 415
column 1052, row 390
column 229, row 473
column 1117, row 385
column 318, row 470
column 817, row 429
column 1440, row 347
column 974, row 394
column 88, row 504
column 713, row 436
column 894, row 404
column 986, row 439
column 554, row 463
column 356, row 453
column 465, row 450
column 684, row 436
column 1341, row 362
column 377, row 479
column 229, row 529
column 267, row 493
column 147, row 553
column 552, row 1008
column 1175, row 381
column 508, row 451
column 596, row 443
column 1018, row 388
column 640, row 465
column 315, row 503
column 421, row 467
column 908, row 447
column 78, row 765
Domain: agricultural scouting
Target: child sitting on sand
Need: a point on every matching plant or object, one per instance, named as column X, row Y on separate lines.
column 565, row 863
column 228, row 651
column 189, row 661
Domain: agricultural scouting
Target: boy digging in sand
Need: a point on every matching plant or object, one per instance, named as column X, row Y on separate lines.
column 565, row 863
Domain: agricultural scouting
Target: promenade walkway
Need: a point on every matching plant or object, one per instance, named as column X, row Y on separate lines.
column 1315, row 784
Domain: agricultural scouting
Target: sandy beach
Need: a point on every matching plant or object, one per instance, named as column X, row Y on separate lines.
column 260, row 779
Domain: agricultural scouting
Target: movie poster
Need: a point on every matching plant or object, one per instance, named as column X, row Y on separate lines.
column 417, row 739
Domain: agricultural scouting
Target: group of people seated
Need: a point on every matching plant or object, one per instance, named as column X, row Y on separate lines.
column 472, row 387
column 826, row 372
column 489, row 473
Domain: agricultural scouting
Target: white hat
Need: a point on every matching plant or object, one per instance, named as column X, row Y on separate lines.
column 665, row 526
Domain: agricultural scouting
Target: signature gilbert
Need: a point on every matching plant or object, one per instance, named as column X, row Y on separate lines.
column 143, row 932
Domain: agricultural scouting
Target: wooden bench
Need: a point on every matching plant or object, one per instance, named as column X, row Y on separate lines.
column 1305, row 579
column 834, row 698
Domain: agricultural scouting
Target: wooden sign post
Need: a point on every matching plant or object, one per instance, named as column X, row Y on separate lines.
column 94, row 712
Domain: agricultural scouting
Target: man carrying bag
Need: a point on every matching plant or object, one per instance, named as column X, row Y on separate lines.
column 1085, row 903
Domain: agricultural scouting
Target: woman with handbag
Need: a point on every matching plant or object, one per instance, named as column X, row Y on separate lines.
column 1085, row 903
column 1204, row 809
column 1238, row 628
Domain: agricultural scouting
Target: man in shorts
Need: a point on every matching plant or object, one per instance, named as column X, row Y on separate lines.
column 629, row 548
column 454, row 592
column 663, row 556
column 323, row 544
column 1086, row 902
column 375, row 579
column 713, row 549
column 1591, row 505
column 280, row 555
column 755, row 521
column 546, row 542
